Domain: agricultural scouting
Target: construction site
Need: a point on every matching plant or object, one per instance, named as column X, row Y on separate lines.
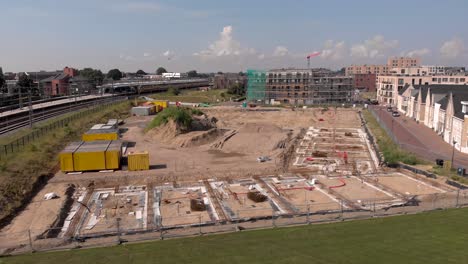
column 236, row 164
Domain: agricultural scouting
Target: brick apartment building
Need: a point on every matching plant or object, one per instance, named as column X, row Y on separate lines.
column 365, row 82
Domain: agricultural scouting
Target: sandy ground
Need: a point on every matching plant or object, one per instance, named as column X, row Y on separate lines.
column 38, row 216
column 354, row 189
column 300, row 196
column 407, row 185
column 115, row 206
column 175, row 208
column 242, row 206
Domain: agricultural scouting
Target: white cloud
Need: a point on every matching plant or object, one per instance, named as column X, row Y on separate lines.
column 416, row 53
column 126, row 57
column 373, row 48
column 226, row 45
column 261, row 56
column 146, row 54
column 168, row 53
column 452, row 48
column 334, row 51
column 280, row 51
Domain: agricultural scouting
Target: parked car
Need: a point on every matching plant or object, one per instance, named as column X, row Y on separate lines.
column 395, row 114
column 389, row 109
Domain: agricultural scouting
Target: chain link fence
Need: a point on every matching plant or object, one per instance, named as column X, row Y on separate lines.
column 114, row 231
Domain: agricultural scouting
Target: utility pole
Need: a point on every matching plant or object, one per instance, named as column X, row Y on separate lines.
column 453, row 154
column 30, row 108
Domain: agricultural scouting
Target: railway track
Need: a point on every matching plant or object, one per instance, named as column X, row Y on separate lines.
column 14, row 124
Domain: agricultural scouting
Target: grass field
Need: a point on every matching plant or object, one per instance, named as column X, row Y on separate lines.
column 195, row 96
column 435, row 237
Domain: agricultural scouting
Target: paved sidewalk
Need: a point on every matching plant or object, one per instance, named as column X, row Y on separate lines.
column 420, row 139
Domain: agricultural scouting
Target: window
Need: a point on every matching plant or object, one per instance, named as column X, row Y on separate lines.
column 462, row 79
column 444, row 79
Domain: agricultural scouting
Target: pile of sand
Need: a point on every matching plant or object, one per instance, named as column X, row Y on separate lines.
column 203, row 131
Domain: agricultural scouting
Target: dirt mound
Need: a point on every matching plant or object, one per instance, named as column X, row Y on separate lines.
column 203, row 131
column 165, row 133
column 260, row 128
column 197, row 138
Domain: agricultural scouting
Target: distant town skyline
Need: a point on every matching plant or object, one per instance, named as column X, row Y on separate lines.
column 211, row 36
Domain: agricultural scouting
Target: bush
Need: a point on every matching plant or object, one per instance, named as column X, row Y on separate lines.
column 180, row 115
column 197, row 112
column 173, row 91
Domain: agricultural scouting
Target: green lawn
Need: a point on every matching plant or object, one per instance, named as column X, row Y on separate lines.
column 195, row 96
column 435, row 237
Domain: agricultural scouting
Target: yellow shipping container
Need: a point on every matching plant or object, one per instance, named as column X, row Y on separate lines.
column 113, row 155
column 91, row 156
column 138, row 161
column 100, row 134
column 161, row 103
column 66, row 157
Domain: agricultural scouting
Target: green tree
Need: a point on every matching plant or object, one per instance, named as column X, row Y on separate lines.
column 192, row 74
column 94, row 76
column 26, row 83
column 140, row 72
column 160, row 71
column 114, row 74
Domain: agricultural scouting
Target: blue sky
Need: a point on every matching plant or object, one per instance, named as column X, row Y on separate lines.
column 228, row 35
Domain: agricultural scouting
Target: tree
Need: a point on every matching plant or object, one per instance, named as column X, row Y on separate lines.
column 25, row 81
column 140, row 72
column 2, row 78
column 192, row 74
column 237, row 89
column 94, row 76
column 26, row 84
column 241, row 73
column 114, row 74
column 160, row 71
column 220, row 72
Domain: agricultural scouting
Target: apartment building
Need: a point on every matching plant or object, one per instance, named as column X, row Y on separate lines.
column 365, row 82
column 307, row 87
column 403, row 62
column 365, row 69
column 389, row 86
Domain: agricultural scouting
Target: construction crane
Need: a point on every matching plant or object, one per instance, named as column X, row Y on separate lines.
column 314, row 54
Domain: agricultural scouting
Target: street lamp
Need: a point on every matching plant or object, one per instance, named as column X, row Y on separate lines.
column 453, row 153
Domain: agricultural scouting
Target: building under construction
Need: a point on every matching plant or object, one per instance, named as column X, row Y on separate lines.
column 299, row 87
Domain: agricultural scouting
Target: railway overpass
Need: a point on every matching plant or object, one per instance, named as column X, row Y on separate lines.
column 149, row 86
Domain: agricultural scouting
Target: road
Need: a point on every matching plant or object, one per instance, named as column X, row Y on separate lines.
column 419, row 139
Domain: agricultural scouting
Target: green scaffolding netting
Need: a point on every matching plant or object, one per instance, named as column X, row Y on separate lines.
column 256, row 85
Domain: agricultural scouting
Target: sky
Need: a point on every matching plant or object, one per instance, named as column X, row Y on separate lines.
column 215, row 35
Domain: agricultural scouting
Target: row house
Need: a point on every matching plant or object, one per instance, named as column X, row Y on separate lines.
column 444, row 108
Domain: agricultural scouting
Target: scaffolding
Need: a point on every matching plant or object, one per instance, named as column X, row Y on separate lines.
column 256, row 85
